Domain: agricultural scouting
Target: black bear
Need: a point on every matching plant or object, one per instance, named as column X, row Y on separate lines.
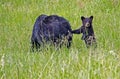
column 51, row 28
column 87, row 30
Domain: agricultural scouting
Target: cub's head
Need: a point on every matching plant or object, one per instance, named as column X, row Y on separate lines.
column 87, row 22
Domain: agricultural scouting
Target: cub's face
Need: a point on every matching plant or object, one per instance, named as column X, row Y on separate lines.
column 87, row 22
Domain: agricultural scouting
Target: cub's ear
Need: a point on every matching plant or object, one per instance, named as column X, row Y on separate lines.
column 82, row 17
column 91, row 17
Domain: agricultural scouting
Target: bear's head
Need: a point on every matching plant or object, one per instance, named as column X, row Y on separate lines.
column 87, row 22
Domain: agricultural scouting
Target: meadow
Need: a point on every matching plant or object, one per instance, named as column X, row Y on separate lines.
column 17, row 18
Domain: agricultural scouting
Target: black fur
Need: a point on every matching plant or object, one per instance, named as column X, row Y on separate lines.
column 50, row 29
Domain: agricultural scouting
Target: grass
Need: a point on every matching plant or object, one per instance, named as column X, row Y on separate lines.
column 17, row 18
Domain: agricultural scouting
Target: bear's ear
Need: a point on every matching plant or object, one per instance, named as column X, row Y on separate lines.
column 82, row 17
column 91, row 17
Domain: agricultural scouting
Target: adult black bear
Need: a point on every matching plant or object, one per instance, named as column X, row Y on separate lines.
column 87, row 30
column 51, row 28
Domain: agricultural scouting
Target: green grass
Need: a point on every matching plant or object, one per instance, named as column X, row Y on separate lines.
column 17, row 18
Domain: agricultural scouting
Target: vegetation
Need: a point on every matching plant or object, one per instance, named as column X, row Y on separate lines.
column 17, row 18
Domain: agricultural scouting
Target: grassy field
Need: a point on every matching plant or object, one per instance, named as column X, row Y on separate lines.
column 17, row 18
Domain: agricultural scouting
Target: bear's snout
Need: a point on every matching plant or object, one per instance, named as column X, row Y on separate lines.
column 87, row 24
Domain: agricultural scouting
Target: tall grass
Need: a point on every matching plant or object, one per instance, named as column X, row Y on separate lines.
column 17, row 18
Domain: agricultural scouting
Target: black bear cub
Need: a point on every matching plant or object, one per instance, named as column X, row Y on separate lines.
column 87, row 30
column 52, row 28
